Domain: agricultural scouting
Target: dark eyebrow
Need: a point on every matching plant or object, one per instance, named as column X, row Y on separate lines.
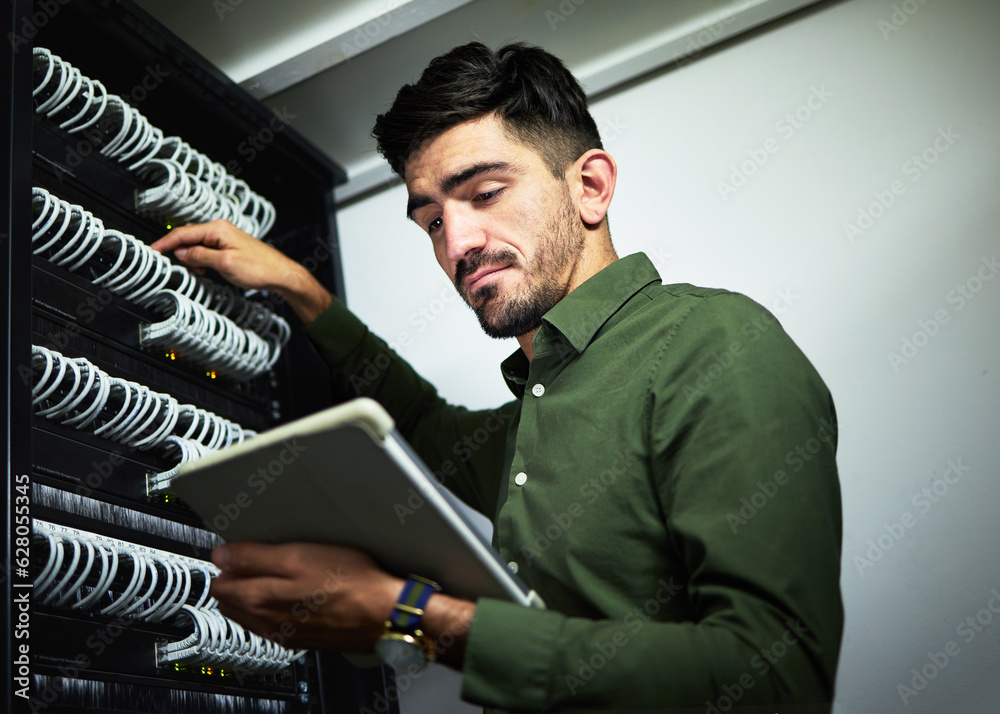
column 450, row 183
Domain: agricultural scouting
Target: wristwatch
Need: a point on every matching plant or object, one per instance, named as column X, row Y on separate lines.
column 404, row 645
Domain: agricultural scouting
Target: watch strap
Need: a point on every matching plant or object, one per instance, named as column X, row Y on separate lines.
column 409, row 608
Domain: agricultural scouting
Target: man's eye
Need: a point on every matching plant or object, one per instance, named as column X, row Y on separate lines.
column 487, row 195
column 435, row 224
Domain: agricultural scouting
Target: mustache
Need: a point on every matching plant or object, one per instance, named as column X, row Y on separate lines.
column 467, row 266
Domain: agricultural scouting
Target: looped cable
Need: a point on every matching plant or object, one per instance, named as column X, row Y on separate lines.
column 207, row 192
column 207, row 323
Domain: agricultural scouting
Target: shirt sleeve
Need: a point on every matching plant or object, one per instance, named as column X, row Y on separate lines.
column 464, row 448
column 742, row 436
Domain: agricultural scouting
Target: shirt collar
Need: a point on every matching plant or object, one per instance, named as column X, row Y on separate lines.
column 579, row 315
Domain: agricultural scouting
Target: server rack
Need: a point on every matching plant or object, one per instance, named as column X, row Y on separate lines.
column 75, row 659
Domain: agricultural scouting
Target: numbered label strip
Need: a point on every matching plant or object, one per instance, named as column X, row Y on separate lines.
column 95, row 573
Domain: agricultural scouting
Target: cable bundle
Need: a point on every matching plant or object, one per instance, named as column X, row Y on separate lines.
column 90, row 572
column 217, row 641
column 206, row 337
column 184, row 450
column 75, row 392
column 197, row 325
column 190, row 187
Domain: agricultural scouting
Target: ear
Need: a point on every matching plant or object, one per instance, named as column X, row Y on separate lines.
column 595, row 173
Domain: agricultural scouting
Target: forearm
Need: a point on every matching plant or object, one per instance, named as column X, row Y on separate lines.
column 526, row 659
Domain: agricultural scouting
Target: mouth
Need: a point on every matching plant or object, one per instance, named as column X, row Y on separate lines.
column 482, row 275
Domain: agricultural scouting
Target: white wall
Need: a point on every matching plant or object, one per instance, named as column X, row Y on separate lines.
column 881, row 94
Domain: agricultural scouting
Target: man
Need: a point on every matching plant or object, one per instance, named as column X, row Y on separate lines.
column 665, row 478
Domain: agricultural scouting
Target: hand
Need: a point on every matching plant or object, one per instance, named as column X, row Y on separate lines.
column 246, row 262
column 305, row 595
column 311, row 596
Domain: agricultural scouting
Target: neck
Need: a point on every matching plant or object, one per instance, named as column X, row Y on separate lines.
column 525, row 342
column 590, row 263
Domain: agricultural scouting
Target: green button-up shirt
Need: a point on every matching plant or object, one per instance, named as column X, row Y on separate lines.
column 665, row 479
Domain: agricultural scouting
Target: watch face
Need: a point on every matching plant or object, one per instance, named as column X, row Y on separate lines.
column 400, row 652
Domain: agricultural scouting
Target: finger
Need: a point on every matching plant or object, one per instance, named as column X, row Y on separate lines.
column 263, row 603
column 243, row 560
column 273, row 614
column 254, row 593
column 199, row 257
column 216, row 234
column 254, row 622
column 194, row 234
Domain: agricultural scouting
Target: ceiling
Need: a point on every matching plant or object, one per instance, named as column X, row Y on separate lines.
column 334, row 65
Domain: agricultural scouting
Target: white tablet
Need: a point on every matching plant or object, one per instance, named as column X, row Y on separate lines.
column 344, row 476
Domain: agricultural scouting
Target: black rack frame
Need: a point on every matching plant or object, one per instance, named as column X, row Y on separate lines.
column 183, row 94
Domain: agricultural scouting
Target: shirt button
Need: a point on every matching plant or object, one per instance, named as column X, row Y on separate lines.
column 513, row 566
column 538, row 390
column 521, row 478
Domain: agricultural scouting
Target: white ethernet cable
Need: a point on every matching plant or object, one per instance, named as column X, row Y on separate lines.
column 194, row 188
column 197, row 324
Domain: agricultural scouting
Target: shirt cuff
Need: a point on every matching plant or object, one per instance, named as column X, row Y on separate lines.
column 509, row 655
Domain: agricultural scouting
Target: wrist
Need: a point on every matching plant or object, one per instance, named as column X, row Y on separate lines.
column 403, row 644
column 303, row 293
column 447, row 621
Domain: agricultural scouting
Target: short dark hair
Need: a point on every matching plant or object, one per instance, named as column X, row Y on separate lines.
column 535, row 96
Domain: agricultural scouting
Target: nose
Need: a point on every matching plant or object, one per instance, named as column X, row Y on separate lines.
column 464, row 234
